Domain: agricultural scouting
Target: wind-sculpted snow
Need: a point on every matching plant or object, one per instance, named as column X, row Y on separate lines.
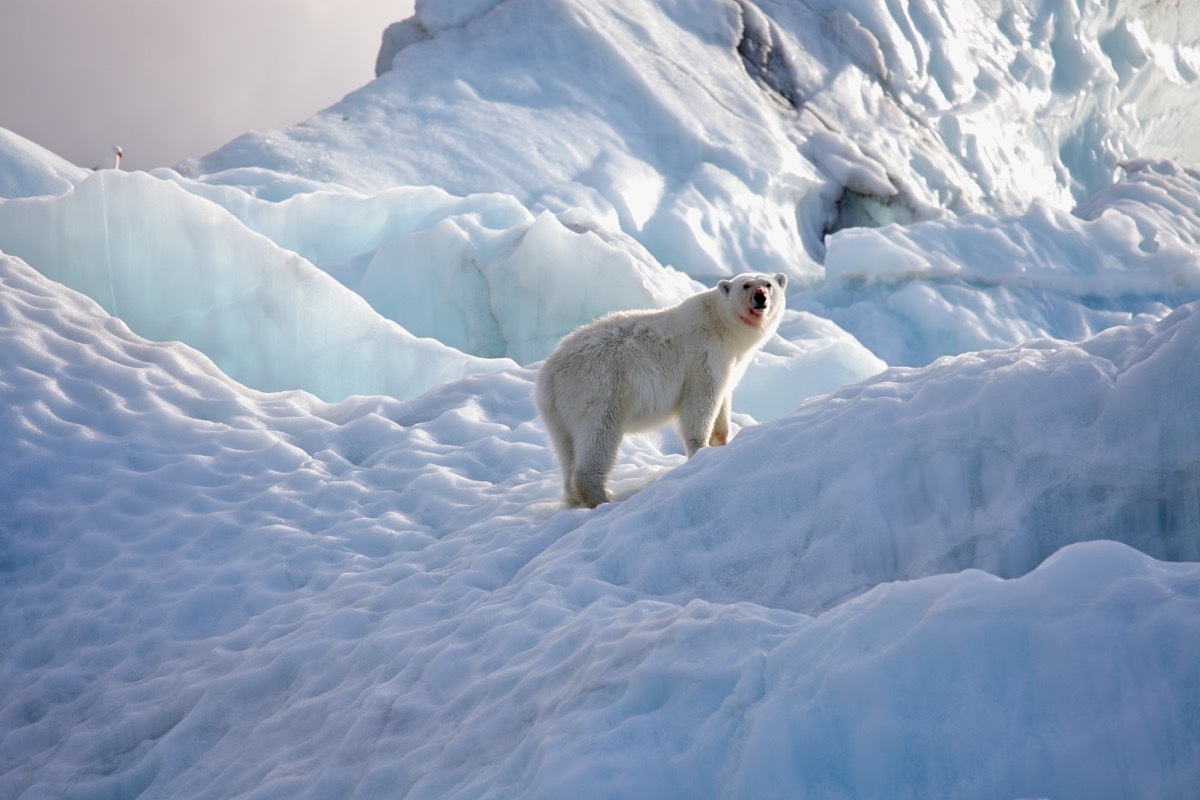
column 264, row 595
column 728, row 136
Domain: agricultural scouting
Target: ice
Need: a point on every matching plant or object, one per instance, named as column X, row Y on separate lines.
column 452, row 285
column 278, row 518
column 958, row 106
column 464, row 270
column 176, row 267
column 914, row 293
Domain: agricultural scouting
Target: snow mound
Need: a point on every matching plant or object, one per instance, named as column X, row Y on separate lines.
column 270, row 596
column 29, row 170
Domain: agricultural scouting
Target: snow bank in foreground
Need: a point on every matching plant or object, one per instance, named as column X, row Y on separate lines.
column 273, row 597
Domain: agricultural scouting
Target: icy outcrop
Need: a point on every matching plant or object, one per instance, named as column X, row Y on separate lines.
column 912, row 294
column 727, row 136
column 396, row 37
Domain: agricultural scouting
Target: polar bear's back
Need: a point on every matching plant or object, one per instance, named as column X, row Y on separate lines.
column 628, row 362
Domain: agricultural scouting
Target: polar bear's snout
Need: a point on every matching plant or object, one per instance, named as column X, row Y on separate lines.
column 758, row 298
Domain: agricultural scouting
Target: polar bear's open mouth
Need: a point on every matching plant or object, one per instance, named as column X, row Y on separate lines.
column 752, row 316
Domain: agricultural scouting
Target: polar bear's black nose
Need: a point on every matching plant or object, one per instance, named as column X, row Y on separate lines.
column 759, row 298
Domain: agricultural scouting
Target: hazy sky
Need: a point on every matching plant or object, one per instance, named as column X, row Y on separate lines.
column 169, row 79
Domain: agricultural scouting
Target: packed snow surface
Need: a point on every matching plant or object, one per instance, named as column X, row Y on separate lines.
column 278, row 518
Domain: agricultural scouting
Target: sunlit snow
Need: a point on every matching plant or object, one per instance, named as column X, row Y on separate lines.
column 278, row 518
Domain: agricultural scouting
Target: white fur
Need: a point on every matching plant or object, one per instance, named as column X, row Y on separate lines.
column 633, row 370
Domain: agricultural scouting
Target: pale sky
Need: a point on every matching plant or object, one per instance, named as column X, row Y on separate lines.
column 169, row 79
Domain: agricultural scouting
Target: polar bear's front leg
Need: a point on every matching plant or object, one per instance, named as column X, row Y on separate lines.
column 720, row 432
column 698, row 413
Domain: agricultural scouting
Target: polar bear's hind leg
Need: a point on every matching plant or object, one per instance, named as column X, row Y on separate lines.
column 598, row 446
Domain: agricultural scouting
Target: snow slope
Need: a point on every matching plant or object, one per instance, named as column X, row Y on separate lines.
column 269, row 596
column 278, row 518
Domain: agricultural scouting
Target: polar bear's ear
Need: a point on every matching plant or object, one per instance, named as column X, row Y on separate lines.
column 725, row 286
column 781, row 279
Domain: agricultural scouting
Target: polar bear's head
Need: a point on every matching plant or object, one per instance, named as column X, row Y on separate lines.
column 754, row 298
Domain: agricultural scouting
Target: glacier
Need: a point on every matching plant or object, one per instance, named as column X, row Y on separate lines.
column 278, row 517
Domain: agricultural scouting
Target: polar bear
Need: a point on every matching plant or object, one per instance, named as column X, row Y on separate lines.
column 632, row 370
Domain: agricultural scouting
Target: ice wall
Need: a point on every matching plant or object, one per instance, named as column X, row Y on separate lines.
column 176, row 267
column 479, row 273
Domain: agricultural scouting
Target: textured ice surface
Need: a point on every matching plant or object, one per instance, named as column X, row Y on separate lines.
column 726, row 135
column 949, row 286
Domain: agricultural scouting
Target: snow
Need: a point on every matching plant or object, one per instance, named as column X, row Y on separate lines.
column 31, row 170
column 278, row 517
